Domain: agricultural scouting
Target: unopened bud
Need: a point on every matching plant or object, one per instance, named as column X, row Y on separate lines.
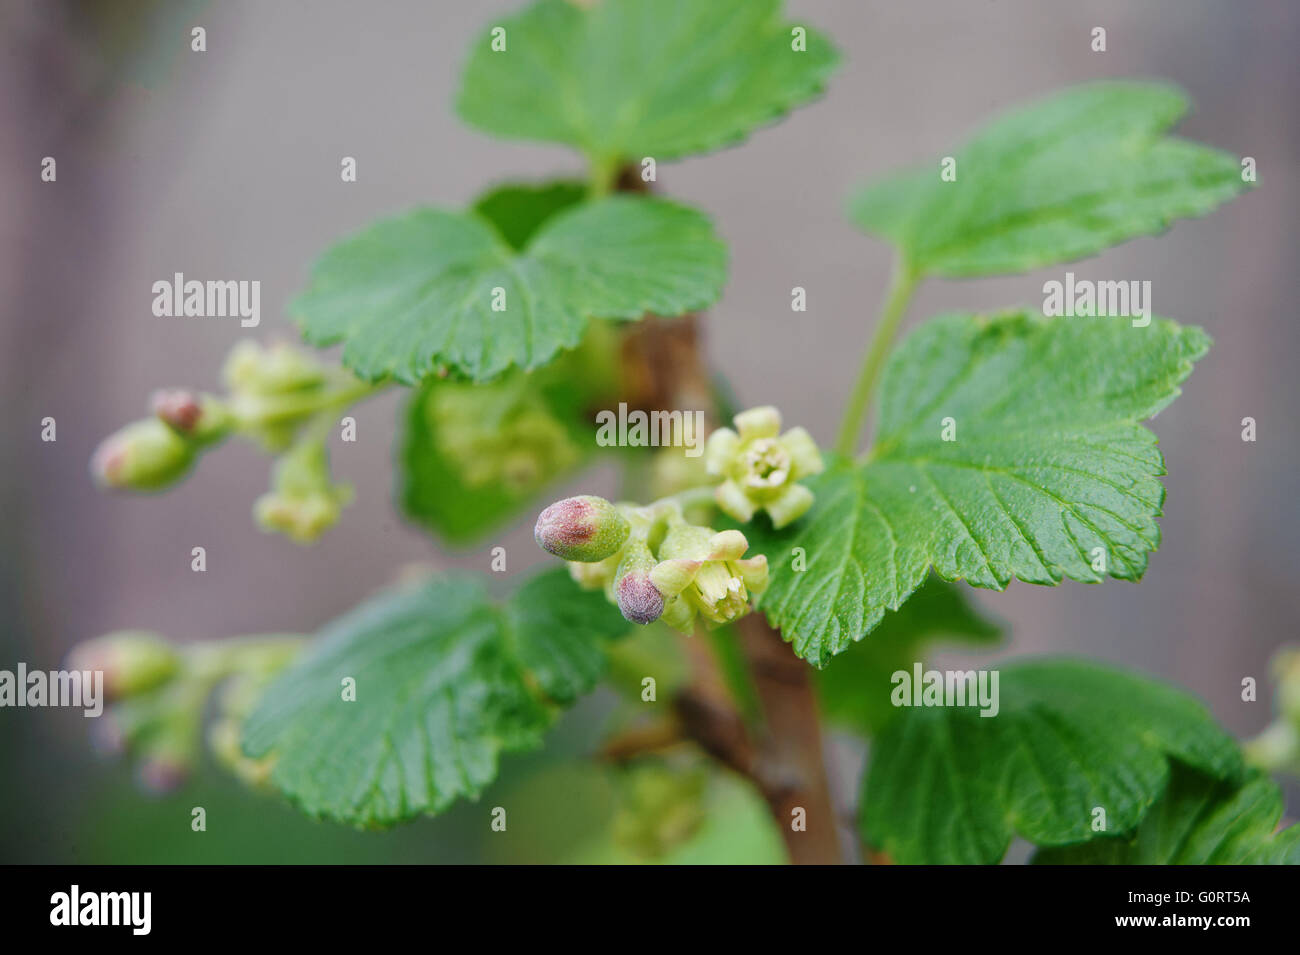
column 177, row 407
column 162, row 772
column 196, row 416
column 586, row 528
column 637, row 597
column 143, row 456
column 131, row 661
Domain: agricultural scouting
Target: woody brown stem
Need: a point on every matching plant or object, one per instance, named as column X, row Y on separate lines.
column 790, row 770
column 663, row 369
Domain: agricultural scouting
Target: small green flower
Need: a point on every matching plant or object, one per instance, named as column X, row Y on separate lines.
column 278, row 369
column 705, row 573
column 495, row 434
column 302, row 503
column 761, row 467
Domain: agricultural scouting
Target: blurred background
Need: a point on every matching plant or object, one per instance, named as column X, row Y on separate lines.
column 225, row 164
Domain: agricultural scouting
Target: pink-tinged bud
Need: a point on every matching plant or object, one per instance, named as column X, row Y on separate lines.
column 143, row 456
column 161, row 774
column 132, row 662
column 586, row 529
column 178, row 408
column 107, row 737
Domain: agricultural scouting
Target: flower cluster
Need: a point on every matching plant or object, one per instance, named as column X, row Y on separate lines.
column 499, row 432
column 158, row 694
column 1277, row 748
column 278, row 396
column 652, row 563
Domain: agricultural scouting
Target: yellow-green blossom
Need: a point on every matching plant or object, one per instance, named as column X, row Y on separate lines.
column 762, row 467
column 705, row 573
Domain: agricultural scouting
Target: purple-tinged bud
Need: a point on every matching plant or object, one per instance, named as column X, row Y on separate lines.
column 143, row 456
column 178, row 408
column 585, row 528
column 170, row 752
column 161, row 773
column 107, row 737
column 638, row 598
column 636, row 595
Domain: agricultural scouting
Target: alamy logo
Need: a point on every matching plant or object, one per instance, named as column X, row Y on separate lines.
column 924, row 687
column 103, row 908
column 83, row 688
column 1085, row 298
column 655, row 429
column 194, row 299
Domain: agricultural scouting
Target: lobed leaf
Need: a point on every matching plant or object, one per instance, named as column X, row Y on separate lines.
column 632, row 78
column 947, row 785
column 1199, row 821
column 415, row 294
column 1050, row 473
column 1064, row 178
column 445, row 682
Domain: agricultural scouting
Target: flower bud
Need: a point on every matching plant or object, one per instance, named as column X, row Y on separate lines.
column 636, row 595
column 200, row 417
column 303, row 503
column 132, row 662
column 178, row 408
column 586, row 528
column 166, row 763
column 143, row 456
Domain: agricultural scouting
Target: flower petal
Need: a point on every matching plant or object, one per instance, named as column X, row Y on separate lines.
column 804, row 455
column 761, row 422
column 790, row 506
column 734, row 502
column 727, row 545
column 720, row 450
column 671, row 577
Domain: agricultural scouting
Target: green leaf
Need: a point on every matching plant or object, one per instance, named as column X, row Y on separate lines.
column 445, row 682
column 632, row 78
column 473, row 455
column 855, row 692
column 947, row 785
column 1062, row 179
column 1199, row 821
column 518, row 210
column 1049, row 464
column 413, row 294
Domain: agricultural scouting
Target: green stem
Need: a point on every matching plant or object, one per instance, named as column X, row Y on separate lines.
column 601, row 176
column 901, row 286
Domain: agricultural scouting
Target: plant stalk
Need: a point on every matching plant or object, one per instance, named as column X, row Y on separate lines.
column 901, row 285
column 783, row 758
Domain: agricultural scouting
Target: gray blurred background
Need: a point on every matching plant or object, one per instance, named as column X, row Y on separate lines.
column 225, row 164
